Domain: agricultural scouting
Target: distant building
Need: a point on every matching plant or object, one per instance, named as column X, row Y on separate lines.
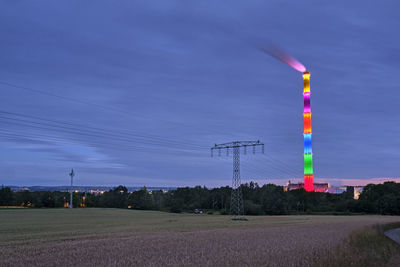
column 321, row 187
column 327, row 188
column 290, row 186
column 19, row 189
column 96, row 192
column 318, row 187
column 357, row 191
column 336, row 189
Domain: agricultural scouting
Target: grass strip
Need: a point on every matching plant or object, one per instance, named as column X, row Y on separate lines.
column 365, row 247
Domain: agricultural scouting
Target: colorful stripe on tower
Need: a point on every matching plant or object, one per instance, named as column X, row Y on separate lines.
column 308, row 162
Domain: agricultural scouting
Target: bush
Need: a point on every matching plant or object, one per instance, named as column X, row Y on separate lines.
column 223, row 212
column 176, row 206
column 250, row 208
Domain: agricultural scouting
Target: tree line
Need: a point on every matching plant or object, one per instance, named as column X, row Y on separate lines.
column 268, row 199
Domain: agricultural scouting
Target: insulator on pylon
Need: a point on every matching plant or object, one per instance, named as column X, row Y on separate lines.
column 227, row 151
column 245, row 150
column 219, row 152
column 254, row 149
column 262, row 149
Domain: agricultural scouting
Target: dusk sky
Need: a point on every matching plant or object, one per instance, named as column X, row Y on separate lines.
column 137, row 92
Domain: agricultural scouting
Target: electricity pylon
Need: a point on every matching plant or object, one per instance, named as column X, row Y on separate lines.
column 72, row 174
column 237, row 208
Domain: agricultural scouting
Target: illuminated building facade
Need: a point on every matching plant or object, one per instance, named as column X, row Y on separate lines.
column 317, row 187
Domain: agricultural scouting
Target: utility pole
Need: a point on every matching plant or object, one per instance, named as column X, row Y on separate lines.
column 72, row 174
column 237, row 209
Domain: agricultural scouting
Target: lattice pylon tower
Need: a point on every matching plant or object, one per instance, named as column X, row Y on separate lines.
column 237, row 208
column 71, row 196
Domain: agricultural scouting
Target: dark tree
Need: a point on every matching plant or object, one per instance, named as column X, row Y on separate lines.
column 6, row 196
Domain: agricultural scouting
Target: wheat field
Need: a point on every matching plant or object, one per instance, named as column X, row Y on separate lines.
column 117, row 237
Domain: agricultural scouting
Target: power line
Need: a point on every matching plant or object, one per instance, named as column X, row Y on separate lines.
column 266, row 166
column 103, row 107
column 92, row 133
column 282, row 165
column 125, row 142
column 54, row 123
column 89, row 143
column 271, row 168
column 71, row 99
column 111, row 108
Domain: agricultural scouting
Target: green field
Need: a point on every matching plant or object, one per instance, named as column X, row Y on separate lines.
column 85, row 236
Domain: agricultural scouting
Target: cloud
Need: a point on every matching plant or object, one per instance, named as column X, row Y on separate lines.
column 187, row 72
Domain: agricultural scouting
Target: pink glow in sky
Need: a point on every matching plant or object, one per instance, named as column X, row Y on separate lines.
column 356, row 182
column 281, row 55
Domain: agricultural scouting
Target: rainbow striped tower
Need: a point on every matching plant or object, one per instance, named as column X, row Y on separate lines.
column 308, row 162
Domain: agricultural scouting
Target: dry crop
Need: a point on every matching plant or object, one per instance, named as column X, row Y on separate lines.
column 108, row 237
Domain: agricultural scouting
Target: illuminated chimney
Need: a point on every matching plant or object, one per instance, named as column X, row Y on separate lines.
column 308, row 162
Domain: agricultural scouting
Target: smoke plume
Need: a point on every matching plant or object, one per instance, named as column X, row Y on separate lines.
column 281, row 55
